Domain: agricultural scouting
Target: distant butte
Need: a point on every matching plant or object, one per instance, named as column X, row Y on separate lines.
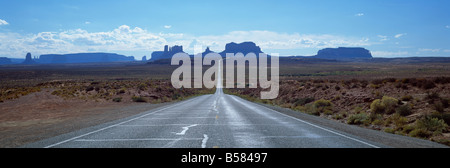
column 344, row 53
column 28, row 59
column 244, row 48
column 336, row 54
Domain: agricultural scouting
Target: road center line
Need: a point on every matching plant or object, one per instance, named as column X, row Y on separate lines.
column 168, row 125
column 173, row 118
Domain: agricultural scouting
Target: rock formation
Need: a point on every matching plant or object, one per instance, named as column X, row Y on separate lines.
column 244, row 48
column 207, row 51
column 167, row 53
column 344, row 53
column 28, row 59
column 4, row 60
column 84, row 58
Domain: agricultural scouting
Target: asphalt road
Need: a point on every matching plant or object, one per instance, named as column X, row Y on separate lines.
column 227, row 121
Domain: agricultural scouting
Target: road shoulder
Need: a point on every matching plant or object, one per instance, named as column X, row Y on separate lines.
column 386, row 139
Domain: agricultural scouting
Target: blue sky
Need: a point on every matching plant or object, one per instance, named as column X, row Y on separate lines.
column 388, row 28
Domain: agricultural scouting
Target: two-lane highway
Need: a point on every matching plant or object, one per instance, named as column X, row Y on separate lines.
column 218, row 120
column 214, row 121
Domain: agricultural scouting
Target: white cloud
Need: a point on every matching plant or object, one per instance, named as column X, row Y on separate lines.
column 399, row 35
column 126, row 39
column 429, row 50
column 383, row 38
column 87, row 22
column 3, row 22
column 167, row 26
column 123, row 38
column 359, row 14
column 389, row 53
column 274, row 40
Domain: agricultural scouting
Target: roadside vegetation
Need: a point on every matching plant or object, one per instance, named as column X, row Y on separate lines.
column 149, row 91
column 409, row 99
column 115, row 83
column 416, row 107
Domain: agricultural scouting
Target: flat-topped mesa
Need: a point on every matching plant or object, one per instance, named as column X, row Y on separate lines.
column 244, row 48
column 170, row 51
column 167, row 53
column 344, row 53
column 83, row 58
column 4, row 60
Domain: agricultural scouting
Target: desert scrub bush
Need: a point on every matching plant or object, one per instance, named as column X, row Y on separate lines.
column 433, row 96
column 445, row 102
column 386, row 105
column 377, row 106
column 405, row 80
column 122, row 91
column 407, row 129
column 404, row 110
column 377, row 81
column 376, row 119
column 358, row 109
column 358, row 119
column 389, row 130
column 176, row 96
column 420, row 133
column 364, row 83
column 117, row 99
column 377, row 95
column 390, row 104
column 378, row 122
column 427, row 84
column 142, row 86
column 443, row 116
column 14, row 93
column 375, row 86
column 323, row 106
column 407, row 98
column 390, row 80
column 340, row 115
column 428, row 126
column 309, row 109
column 337, row 88
column 138, row 99
column 438, row 106
column 303, row 101
column 441, row 80
column 422, row 83
column 398, row 121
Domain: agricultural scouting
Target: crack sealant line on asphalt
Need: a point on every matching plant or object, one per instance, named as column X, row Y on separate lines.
column 104, row 128
column 205, row 139
column 185, row 129
column 138, row 139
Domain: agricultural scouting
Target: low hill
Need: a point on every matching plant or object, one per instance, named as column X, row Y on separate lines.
column 83, row 58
